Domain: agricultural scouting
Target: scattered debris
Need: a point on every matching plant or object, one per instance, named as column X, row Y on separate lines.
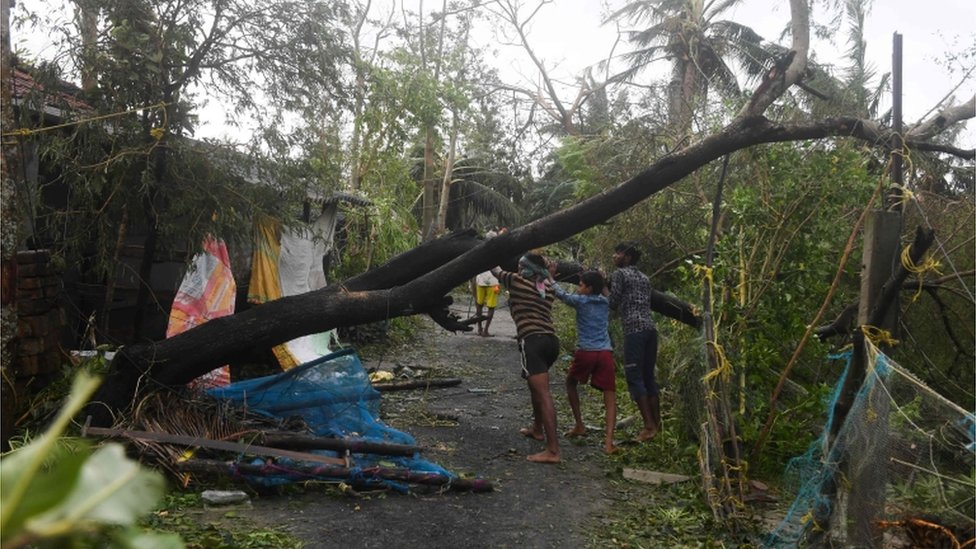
column 626, row 421
column 653, row 477
column 759, row 493
column 225, row 497
column 416, row 384
column 380, row 376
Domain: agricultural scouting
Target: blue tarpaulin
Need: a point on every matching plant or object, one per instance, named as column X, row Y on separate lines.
column 334, row 397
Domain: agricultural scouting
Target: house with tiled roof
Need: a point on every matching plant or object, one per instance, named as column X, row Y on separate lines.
column 56, row 105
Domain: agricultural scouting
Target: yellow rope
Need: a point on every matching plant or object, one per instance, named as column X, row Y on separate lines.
column 27, row 132
column 704, row 271
column 877, row 336
column 724, row 367
column 808, row 518
column 927, row 264
column 906, row 195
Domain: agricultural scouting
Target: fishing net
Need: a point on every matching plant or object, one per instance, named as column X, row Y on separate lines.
column 334, row 398
column 900, row 472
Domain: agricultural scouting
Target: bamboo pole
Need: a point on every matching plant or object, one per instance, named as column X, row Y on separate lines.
column 183, row 440
column 298, row 441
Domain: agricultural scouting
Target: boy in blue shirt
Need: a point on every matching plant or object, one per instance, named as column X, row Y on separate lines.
column 593, row 358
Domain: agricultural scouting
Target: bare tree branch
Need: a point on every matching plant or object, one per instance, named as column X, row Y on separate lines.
column 938, row 123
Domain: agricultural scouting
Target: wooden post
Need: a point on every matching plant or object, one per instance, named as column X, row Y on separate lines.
column 866, row 500
column 887, row 296
column 882, row 236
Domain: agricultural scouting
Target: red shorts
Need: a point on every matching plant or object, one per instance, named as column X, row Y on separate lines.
column 595, row 367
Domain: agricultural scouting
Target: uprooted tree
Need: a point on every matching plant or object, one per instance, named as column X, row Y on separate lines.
column 418, row 281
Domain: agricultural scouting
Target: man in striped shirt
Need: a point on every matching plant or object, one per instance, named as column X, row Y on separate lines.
column 530, row 302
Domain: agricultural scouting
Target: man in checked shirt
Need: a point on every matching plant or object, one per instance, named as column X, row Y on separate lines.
column 630, row 296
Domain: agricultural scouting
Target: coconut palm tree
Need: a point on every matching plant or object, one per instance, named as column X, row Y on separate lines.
column 699, row 46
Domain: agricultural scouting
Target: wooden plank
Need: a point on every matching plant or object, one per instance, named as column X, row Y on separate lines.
column 183, row 440
column 653, row 477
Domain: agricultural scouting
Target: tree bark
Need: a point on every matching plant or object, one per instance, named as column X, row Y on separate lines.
column 661, row 303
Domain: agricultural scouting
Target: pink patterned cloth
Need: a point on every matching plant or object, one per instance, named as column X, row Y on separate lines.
column 208, row 291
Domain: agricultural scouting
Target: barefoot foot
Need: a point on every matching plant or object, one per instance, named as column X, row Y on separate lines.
column 610, row 449
column 544, row 456
column 646, row 435
column 530, row 432
column 577, row 431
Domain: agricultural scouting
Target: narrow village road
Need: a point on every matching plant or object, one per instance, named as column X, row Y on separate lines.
column 472, row 430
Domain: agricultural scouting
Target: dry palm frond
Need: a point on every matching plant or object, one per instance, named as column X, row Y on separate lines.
column 182, row 414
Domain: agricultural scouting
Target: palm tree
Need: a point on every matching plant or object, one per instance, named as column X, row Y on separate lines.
column 689, row 35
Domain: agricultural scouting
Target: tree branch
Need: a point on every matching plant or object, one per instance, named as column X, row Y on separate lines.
column 938, row 123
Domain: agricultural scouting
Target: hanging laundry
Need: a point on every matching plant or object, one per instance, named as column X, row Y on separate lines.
column 207, row 291
column 265, row 284
column 300, row 271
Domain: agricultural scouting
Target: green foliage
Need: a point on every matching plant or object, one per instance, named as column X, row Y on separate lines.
column 776, row 256
column 699, row 46
column 53, row 491
column 672, row 515
column 938, row 338
column 374, row 237
column 131, row 172
column 945, row 496
column 775, row 263
column 183, row 514
column 46, row 403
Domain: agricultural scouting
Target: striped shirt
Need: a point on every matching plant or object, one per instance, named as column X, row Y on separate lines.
column 532, row 314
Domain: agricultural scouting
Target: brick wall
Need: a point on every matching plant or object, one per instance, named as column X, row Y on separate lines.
column 37, row 354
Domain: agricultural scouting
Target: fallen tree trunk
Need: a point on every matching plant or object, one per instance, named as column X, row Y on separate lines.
column 662, row 303
column 360, row 300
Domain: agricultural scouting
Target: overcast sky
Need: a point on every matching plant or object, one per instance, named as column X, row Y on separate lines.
column 567, row 34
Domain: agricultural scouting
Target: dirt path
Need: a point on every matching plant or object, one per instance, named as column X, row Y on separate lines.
column 533, row 505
